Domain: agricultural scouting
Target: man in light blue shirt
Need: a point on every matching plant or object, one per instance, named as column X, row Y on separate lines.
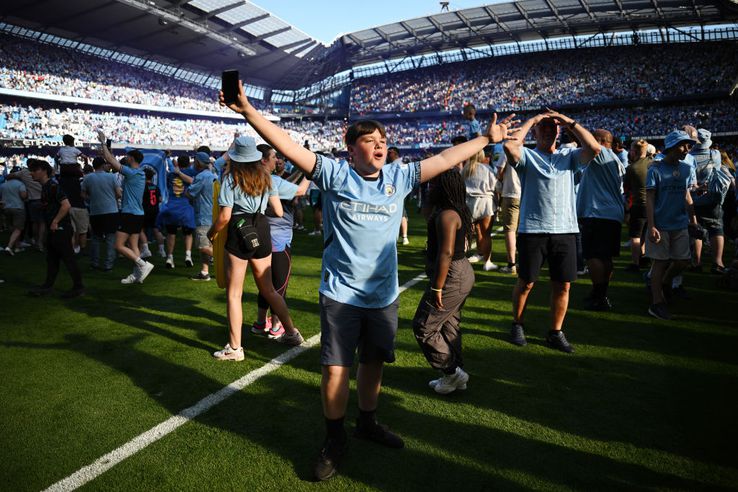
column 101, row 190
column 131, row 211
column 670, row 213
column 548, row 219
column 471, row 125
column 601, row 210
column 13, row 194
column 201, row 192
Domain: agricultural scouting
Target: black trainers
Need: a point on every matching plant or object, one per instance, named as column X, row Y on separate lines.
column 659, row 311
column 40, row 291
column 331, row 454
column 557, row 340
column 72, row 293
column 602, row 304
column 517, row 335
column 380, row 434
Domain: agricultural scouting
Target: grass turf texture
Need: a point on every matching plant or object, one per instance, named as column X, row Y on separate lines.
column 642, row 404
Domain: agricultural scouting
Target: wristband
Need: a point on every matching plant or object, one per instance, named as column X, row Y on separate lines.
column 572, row 124
column 436, row 290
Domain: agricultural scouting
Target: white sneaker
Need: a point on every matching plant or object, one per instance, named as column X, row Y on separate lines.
column 508, row 269
column 9, row 251
column 293, row 339
column 144, row 271
column 170, row 262
column 475, row 259
column 315, row 233
column 162, row 253
column 432, row 384
column 405, row 241
column 76, row 250
column 188, row 261
column 452, row 382
column 229, row 353
column 145, row 253
column 131, row 279
column 490, row 267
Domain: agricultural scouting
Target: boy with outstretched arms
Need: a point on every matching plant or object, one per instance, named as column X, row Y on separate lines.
column 359, row 289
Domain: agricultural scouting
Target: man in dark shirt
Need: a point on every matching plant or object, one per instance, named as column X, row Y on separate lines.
column 635, row 186
column 56, row 206
column 70, row 179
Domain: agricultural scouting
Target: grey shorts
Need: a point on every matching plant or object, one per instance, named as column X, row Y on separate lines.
column 201, row 237
column 345, row 328
column 674, row 245
column 80, row 220
column 16, row 217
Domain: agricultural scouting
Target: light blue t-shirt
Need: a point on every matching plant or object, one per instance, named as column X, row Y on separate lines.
column 361, row 220
column 473, row 129
column 671, row 183
column 690, row 161
column 11, row 194
column 705, row 161
column 281, row 227
column 547, row 200
column 240, row 202
column 201, row 190
column 100, row 188
column 133, row 189
column 600, row 193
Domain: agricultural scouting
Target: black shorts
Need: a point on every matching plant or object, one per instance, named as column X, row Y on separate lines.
column 150, row 218
column 559, row 249
column 235, row 244
column 130, row 224
column 315, row 199
column 172, row 229
column 345, row 328
column 104, row 224
column 637, row 223
column 711, row 218
column 600, row 238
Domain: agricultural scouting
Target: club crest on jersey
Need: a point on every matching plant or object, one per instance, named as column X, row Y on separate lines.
column 675, row 173
column 389, row 189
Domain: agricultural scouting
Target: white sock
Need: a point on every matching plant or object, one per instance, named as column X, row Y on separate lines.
column 170, row 257
column 188, row 254
column 203, row 273
column 140, row 262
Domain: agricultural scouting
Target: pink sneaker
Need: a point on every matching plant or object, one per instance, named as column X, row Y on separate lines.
column 261, row 328
column 275, row 331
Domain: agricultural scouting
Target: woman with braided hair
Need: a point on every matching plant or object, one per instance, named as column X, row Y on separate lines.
column 436, row 321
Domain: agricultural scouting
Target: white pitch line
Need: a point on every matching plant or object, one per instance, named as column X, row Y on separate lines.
column 108, row 461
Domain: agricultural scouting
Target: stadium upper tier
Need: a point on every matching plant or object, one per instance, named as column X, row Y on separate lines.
column 510, row 83
column 533, row 81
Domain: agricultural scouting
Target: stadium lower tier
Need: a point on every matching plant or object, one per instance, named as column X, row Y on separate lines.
column 47, row 124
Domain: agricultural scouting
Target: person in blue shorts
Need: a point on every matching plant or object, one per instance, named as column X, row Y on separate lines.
column 548, row 218
column 177, row 212
column 670, row 214
column 131, row 219
column 362, row 210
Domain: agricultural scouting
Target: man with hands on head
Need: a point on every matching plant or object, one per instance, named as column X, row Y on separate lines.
column 548, row 219
column 359, row 288
column 131, row 211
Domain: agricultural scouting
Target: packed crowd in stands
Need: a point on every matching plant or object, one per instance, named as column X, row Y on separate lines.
column 529, row 82
column 31, row 122
column 36, row 67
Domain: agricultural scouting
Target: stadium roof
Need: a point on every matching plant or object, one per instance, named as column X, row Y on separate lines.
column 210, row 35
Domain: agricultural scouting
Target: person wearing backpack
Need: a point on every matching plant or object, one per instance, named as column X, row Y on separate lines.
column 712, row 185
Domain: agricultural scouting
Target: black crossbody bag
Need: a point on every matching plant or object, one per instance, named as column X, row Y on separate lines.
column 248, row 230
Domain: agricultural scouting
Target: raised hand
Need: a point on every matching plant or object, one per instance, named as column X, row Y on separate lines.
column 240, row 105
column 497, row 132
column 101, row 137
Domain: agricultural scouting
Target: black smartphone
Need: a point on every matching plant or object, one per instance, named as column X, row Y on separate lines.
column 229, row 85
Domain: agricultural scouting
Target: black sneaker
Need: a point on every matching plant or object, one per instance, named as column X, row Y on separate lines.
column 680, row 292
column 201, row 277
column 717, row 269
column 659, row 311
column 72, row 293
column 517, row 335
column 602, row 304
column 557, row 340
column 330, row 457
column 378, row 433
column 40, row 291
